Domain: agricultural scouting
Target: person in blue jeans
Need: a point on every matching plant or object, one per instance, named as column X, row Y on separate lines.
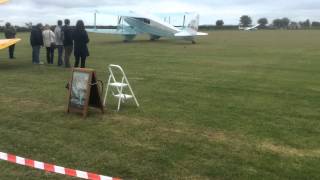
column 59, row 42
column 67, row 32
column 36, row 41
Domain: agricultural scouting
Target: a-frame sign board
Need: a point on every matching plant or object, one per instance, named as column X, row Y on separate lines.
column 83, row 91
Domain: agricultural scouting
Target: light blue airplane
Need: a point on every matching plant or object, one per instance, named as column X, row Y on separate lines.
column 138, row 23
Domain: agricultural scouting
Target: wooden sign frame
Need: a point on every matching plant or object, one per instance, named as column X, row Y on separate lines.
column 83, row 91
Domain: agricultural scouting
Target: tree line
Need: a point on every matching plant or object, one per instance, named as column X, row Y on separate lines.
column 281, row 23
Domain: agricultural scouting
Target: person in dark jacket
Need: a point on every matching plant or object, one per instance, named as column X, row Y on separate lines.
column 36, row 41
column 81, row 39
column 10, row 33
column 67, row 42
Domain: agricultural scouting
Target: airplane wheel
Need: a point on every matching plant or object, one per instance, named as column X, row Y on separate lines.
column 193, row 42
column 154, row 39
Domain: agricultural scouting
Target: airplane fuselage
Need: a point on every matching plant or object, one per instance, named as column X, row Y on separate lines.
column 149, row 26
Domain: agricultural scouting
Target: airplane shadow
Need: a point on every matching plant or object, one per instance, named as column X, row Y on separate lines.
column 8, row 65
column 135, row 42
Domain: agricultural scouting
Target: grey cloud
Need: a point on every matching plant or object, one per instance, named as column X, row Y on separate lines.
column 19, row 11
column 73, row 3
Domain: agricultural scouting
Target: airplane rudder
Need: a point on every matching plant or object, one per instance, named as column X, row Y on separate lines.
column 194, row 23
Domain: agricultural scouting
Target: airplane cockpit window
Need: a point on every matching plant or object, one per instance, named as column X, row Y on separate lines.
column 147, row 21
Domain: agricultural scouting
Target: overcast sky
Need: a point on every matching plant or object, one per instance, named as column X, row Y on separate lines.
column 48, row 11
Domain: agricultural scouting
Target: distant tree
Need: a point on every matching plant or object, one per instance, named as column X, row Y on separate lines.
column 281, row 23
column 263, row 22
column 305, row 24
column 285, row 22
column 315, row 24
column 219, row 23
column 277, row 23
column 245, row 20
column 308, row 23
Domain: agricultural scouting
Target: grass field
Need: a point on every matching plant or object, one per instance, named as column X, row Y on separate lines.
column 237, row 105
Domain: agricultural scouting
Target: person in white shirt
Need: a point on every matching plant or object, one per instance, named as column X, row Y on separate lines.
column 49, row 43
column 59, row 42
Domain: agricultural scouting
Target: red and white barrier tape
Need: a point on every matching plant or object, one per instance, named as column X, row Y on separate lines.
column 52, row 168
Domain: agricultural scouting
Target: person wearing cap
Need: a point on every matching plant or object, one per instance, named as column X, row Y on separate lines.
column 10, row 33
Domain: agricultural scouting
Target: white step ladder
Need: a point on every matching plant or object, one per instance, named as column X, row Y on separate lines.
column 113, row 84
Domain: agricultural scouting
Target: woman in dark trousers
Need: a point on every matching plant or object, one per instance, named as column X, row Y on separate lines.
column 81, row 39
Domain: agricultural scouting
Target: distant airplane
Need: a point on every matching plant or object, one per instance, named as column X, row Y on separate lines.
column 252, row 28
column 138, row 23
column 4, row 43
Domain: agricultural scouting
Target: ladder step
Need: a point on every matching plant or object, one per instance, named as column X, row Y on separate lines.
column 123, row 96
column 117, row 84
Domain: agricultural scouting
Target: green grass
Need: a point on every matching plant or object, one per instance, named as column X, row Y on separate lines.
column 238, row 105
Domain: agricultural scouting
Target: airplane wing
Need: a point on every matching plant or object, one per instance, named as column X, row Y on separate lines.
column 4, row 43
column 188, row 34
column 3, row 1
column 183, row 34
column 201, row 34
column 120, row 31
column 131, row 14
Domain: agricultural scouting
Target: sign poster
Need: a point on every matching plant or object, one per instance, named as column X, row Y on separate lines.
column 83, row 91
column 79, row 89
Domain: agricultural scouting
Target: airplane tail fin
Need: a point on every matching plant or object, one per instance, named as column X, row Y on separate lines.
column 194, row 23
column 192, row 29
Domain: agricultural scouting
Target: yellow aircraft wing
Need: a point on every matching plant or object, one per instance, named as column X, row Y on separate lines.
column 4, row 43
column 3, row 1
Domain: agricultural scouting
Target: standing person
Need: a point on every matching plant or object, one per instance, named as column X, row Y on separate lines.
column 81, row 39
column 36, row 41
column 49, row 42
column 10, row 33
column 67, row 42
column 59, row 42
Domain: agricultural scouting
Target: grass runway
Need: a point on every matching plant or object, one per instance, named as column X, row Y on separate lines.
column 237, row 105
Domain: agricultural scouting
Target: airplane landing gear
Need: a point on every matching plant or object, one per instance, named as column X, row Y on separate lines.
column 128, row 38
column 154, row 37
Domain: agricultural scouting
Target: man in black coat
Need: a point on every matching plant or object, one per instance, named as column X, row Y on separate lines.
column 67, row 42
column 10, row 33
column 36, row 41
